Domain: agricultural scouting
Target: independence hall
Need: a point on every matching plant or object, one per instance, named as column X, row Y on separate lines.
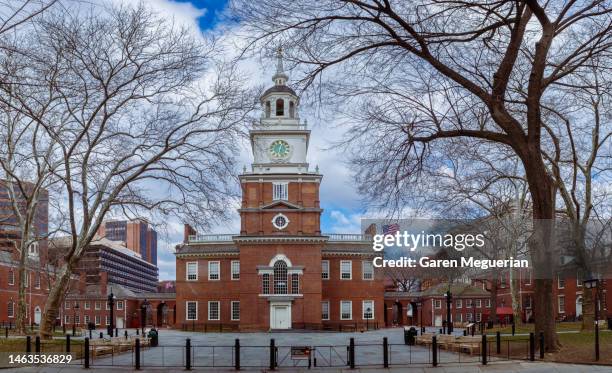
column 279, row 271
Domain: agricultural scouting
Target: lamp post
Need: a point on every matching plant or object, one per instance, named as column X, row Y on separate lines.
column 143, row 314
column 420, row 308
column 76, row 308
column 449, row 323
column 111, row 304
column 593, row 284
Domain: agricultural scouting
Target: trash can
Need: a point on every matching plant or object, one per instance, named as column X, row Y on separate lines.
column 406, row 334
column 154, row 337
column 410, row 336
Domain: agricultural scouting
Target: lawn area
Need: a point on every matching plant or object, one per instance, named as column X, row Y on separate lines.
column 527, row 328
column 55, row 345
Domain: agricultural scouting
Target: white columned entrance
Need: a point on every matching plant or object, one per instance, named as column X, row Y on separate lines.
column 280, row 315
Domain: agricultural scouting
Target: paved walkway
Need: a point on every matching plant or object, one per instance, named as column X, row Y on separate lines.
column 330, row 352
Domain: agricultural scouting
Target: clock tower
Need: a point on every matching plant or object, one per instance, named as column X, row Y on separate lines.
column 280, row 234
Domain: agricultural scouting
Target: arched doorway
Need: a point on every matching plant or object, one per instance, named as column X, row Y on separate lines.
column 579, row 306
column 37, row 315
column 162, row 314
column 397, row 313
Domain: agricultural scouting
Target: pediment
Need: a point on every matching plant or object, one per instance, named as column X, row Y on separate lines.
column 281, row 205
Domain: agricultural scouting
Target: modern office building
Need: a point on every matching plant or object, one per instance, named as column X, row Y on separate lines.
column 137, row 235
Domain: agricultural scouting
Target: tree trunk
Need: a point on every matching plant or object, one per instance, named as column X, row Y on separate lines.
column 21, row 301
column 54, row 300
column 493, row 312
column 515, row 295
column 542, row 193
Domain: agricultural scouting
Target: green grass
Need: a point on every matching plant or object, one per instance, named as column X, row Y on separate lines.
column 528, row 328
column 54, row 345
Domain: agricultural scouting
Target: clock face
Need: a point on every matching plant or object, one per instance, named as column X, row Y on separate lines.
column 279, row 149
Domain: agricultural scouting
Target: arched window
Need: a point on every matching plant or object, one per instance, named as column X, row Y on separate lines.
column 268, row 110
column 291, row 109
column 280, row 277
column 280, row 107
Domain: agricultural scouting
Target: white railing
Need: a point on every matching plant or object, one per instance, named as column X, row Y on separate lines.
column 195, row 238
column 348, row 237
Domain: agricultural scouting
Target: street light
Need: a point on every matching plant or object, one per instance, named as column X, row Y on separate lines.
column 593, row 284
column 419, row 305
column 111, row 304
column 76, row 308
column 449, row 323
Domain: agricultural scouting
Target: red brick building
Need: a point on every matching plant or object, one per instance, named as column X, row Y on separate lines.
column 279, row 271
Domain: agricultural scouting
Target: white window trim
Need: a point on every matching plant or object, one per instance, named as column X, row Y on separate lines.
column 11, row 316
column 218, row 273
column 87, row 305
column 328, row 310
column 218, row 310
column 559, row 283
column 363, row 309
column 363, row 265
column 232, row 270
column 285, row 189
column 11, row 277
column 350, row 302
column 437, row 304
column 187, row 271
column 120, row 302
column 187, row 310
column 97, row 319
column 478, row 303
column 97, row 305
column 350, row 262
column 459, row 304
column 559, row 304
column 67, row 305
column 232, row 310
column 325, row 278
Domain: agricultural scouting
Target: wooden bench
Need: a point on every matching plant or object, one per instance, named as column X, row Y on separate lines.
column 101, row 347
column 468, row 343
column 424, row 339
column 447, row 341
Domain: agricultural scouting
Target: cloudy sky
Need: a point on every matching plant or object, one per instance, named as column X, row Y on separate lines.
column 342, row 207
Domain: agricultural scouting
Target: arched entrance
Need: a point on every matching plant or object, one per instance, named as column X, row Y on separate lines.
column 37, row 315
column 397, row 313
column 162, row 314
column 579, row 306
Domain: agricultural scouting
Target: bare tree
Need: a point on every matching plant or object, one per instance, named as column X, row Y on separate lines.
column 14, row 13
column 500, row 60
column 142, row 115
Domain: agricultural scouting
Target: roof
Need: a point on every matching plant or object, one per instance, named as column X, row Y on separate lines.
column 278, row 89
column 460, row 290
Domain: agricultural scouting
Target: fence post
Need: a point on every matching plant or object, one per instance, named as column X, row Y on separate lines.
column 116, row 332
column 541, row 345
column 352, row 353
column 6, row 332
column 125, row 333
column 484, row 348
column 101, row 335
column 37, row 345
column 188, row 354
column 237, row 354
column 67, row 342
column 531, row 346
column 28, row 344
column 137, row 352
column 86, row 357
column 498, row 342
column 385, row 352
column 434, row 351
column 272, row 354
column 513, row 328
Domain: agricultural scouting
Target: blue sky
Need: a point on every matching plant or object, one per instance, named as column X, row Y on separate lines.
column 342, row 207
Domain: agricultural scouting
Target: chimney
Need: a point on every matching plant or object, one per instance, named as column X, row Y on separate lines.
column 188, row 231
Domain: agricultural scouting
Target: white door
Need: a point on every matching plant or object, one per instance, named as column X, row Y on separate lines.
column 578, row 306
column 37, row 315
column 119, row 322
column 280, row 317
column 438, row 320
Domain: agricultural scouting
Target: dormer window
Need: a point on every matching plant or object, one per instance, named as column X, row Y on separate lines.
column 291, row 109
column 280, row 107
column 268, row 110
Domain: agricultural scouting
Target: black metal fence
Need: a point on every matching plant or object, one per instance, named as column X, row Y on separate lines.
column 135, row 352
